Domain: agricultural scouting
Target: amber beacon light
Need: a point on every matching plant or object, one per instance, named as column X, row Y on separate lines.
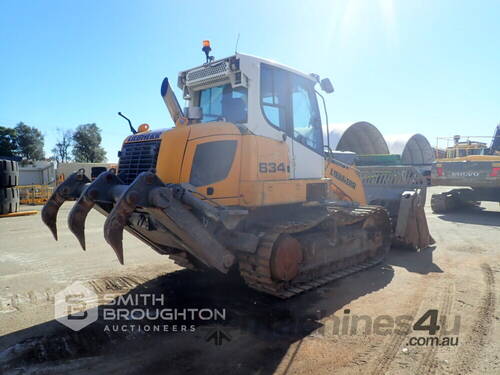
column 206, row 48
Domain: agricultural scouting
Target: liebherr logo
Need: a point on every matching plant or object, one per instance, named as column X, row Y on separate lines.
column 343, row 179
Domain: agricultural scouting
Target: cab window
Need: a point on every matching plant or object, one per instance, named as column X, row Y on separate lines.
column 274, row 96
column 305, row 114
column 289, row 103
column 224, row 103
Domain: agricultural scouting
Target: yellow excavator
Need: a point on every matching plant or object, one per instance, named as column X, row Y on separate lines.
column 244, row 182
column 472, row 165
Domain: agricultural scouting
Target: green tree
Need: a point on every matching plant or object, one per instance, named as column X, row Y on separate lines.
column 29, row 142
column 61, row 150
column 8, row 141
column 87, row 144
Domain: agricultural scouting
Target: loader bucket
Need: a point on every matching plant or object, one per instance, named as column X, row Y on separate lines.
column 402, row 191
column 411, row 228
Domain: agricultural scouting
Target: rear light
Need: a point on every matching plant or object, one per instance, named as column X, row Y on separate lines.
column 495, row 171
column 440, row 171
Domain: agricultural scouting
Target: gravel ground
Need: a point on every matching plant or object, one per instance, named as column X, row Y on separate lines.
column 311, row 333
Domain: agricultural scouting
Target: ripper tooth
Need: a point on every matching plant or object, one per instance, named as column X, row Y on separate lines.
column 78, row 215
column 105, row 189
column 117, row 220
column 124, row 207
column 100, row 189
column 70, row 189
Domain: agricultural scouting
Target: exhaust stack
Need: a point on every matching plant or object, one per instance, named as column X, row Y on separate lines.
column 172, row 104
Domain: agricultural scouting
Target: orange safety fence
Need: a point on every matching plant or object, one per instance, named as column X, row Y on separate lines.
column 34, row 194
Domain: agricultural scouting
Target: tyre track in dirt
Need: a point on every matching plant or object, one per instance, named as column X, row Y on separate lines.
column 67, row 345
column 111, row 284
column 391, row 348
column 13, row 302
column 115, row 284
column 427, row 364
column 364, row 356
column 469, row 351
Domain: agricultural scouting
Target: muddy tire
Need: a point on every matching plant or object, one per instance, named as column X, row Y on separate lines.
column 9, row 200
column 9, row 173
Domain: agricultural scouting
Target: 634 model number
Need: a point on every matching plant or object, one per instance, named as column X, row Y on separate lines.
column 272, row 167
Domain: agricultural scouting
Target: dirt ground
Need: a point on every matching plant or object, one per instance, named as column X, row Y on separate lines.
column 311, row 333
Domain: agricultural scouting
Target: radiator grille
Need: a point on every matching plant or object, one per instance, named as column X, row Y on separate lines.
column 136, row 158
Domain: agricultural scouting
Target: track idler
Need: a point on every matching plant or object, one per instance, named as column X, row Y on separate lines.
column 70, row 189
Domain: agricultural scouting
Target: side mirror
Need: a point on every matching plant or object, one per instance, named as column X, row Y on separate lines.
column 326, row 85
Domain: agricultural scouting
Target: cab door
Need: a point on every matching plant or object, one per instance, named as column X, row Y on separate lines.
column 289, row 105
column 307, row 135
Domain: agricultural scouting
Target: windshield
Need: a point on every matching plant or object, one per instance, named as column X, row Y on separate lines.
column 224, row 103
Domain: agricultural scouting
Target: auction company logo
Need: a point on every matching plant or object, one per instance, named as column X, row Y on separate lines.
column 76, row 306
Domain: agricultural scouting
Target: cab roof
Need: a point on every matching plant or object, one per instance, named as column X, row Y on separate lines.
column 250, row 58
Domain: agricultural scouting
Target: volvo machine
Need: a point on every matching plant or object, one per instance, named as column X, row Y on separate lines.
column 472, row 165
column 244, row 183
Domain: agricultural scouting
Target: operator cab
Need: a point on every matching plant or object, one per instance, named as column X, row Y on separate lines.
column 263, row 98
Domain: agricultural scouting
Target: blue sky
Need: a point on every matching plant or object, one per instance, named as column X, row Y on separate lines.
column 428, row 66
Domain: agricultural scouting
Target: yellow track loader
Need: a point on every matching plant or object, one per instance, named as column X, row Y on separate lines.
column 244, row 181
